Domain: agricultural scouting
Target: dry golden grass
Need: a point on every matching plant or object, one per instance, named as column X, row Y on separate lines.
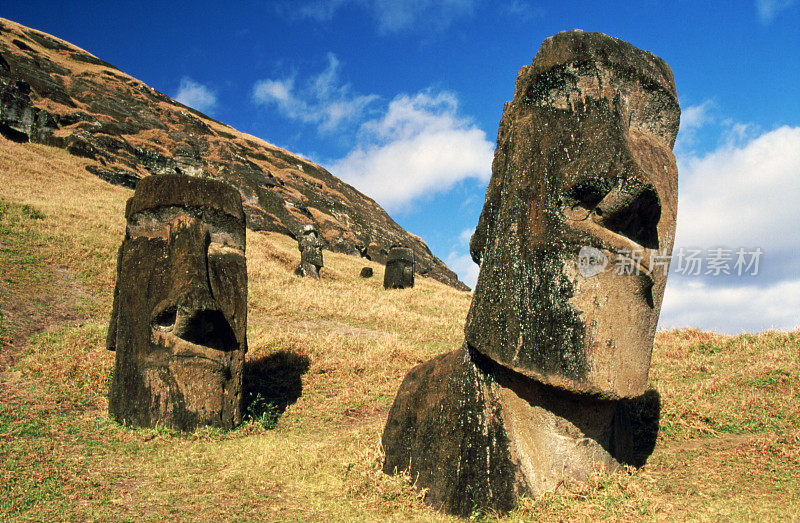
column 729, row 446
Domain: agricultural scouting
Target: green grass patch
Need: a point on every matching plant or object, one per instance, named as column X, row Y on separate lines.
column 775, row 379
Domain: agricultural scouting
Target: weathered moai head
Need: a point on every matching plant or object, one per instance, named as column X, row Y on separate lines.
column 179, row 320
column 399, row 268
column 310, row 230
column 310, row 247
column 583, row 161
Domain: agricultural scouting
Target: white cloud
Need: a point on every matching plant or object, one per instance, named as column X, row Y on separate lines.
column 460, row 261
column 323, row 101
column 466, row 269
column 420, row 146
column 768, row 9
column 731, row 309
column 743, row 196
column 465, row 236
column 693, row 119
column 278, row 91
column 696, row 116
column 391, row 16
column 521, row 10
column 318, row 10
column 195, row 95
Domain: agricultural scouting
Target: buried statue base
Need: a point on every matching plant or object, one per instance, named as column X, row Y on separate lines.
column 476, row 434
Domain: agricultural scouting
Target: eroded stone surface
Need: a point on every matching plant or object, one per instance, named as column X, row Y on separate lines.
column 399, row 268
column 445, row 428
column 478, row 435
column 179, row 319
column 310, row 247
column 584, row 158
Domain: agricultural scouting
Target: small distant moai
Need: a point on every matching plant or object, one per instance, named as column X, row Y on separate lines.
column 310, row 246
column 179, row 319
column 550, row 385
column 399, row 272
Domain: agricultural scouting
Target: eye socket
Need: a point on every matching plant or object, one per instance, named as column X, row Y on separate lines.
column 629, row 209
column 587, row 193
column 165, row 319
column 209, row 328
column 638, row 220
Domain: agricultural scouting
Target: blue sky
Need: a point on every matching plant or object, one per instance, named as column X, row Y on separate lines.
column 403, row 99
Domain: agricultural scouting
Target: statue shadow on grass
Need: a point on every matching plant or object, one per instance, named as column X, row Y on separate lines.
column 272, row 383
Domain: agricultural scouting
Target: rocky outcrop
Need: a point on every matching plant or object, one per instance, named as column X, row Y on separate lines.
column 550, row 384
column 54, row 93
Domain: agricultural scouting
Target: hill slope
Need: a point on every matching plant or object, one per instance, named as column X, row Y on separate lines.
column 327, row 358
column 54, row 93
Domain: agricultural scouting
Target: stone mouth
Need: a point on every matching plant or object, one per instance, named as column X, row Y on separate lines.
column 206, row 327
column 636, row 257
column 193, row 353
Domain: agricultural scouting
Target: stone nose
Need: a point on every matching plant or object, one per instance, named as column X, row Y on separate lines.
column 206, row 327
column 193, row 314
column 633, row 210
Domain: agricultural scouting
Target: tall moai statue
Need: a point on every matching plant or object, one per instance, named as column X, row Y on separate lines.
column 179, row 319
column 573, row 244
column 310, row 246
column 399, row 272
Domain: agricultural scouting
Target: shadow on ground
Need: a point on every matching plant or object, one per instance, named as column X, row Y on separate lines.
column 271, row 384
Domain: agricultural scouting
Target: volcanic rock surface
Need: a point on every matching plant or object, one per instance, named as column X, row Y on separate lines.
column 55, row 93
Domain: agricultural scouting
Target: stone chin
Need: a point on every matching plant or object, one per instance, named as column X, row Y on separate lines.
column 619, row 321
column 200, row 378
column 607, row 323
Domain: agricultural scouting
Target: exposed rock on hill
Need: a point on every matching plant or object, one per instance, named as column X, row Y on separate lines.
column 54, row 93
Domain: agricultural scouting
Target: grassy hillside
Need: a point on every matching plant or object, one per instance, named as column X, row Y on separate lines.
column 325, row 361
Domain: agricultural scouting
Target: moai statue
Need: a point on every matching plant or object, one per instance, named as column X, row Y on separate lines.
column 179, row 319
column 310, row 247
column 573, row 244
column 399, row 272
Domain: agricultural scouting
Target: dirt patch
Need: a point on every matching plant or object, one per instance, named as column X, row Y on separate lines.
column 722, row 442
column 34, row 308
column 328, row 326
